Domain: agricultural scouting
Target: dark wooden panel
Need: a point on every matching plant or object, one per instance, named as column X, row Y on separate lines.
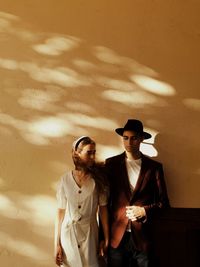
column 176, row 236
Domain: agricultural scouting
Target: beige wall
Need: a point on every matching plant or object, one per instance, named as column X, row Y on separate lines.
column 70, row 68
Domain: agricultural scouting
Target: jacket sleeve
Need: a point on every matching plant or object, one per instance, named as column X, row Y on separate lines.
column 160, row 198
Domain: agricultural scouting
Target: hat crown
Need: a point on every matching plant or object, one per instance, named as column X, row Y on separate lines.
column 134, row 125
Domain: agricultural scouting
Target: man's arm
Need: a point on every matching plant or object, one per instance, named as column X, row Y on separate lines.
column 159, row 199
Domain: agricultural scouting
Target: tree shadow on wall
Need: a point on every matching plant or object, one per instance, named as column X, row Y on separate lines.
column 55, row 87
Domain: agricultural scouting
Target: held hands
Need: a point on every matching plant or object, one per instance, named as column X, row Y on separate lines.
column 135, row 213
column 59, row 255
column 103, row 248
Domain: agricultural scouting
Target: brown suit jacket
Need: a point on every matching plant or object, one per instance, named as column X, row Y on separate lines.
column 150, row 192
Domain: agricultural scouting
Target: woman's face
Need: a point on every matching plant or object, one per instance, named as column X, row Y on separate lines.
column 87, row 154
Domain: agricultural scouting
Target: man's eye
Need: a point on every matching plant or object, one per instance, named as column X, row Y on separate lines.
column 134, row 138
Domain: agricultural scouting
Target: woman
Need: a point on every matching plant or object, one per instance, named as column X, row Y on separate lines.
column 81, row 193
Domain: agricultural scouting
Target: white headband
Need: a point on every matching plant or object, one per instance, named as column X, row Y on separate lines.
column 77, row 142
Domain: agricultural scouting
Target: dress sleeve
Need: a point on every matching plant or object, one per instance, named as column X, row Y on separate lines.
column 61, row 195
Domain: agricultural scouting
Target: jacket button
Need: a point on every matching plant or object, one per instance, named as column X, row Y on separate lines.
column 79, row 191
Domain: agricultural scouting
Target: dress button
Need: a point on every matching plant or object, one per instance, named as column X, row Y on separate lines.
column 79, row 246
column 79, row 191
column 79, row 206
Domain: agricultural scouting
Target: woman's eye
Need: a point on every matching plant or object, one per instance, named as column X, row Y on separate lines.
column 91, row 152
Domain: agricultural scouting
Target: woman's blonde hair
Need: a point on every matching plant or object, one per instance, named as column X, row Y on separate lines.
column 96, row 170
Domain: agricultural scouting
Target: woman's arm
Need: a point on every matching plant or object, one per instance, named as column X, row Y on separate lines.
column 58, row 246
column 103, row 212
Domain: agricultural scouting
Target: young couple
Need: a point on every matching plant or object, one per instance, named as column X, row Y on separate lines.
column 130, row 187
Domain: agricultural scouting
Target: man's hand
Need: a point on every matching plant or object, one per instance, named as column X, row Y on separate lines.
column 135, row 213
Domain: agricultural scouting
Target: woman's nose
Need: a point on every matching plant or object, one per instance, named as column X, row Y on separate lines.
column 92, row 156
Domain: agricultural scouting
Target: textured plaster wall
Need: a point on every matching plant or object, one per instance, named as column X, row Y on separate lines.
column 74, row 67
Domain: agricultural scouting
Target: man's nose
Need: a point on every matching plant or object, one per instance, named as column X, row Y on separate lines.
column 129, row 141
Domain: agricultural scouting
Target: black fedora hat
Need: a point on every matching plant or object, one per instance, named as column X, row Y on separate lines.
column 133, row 125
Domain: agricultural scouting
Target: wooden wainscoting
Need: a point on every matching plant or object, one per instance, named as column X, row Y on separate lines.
column 176, row 235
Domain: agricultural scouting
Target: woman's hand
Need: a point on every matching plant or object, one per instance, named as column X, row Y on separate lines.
column 103, row 248
column 59, row 255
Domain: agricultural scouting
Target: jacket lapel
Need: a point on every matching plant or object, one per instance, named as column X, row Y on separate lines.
column 124, row 173
column 140, row 178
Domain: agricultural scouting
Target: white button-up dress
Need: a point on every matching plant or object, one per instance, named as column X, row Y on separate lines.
column 79, row 231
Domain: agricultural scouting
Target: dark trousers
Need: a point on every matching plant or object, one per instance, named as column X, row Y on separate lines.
column 126, row 256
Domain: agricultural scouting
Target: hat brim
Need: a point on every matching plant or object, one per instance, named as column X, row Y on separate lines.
column 121, row 130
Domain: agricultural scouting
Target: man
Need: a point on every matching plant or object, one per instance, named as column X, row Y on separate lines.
column 137, row 192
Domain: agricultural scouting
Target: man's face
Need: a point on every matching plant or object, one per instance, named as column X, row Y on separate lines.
column 131, row 141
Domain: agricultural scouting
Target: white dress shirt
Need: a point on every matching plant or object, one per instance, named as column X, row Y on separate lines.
column 133, row 169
